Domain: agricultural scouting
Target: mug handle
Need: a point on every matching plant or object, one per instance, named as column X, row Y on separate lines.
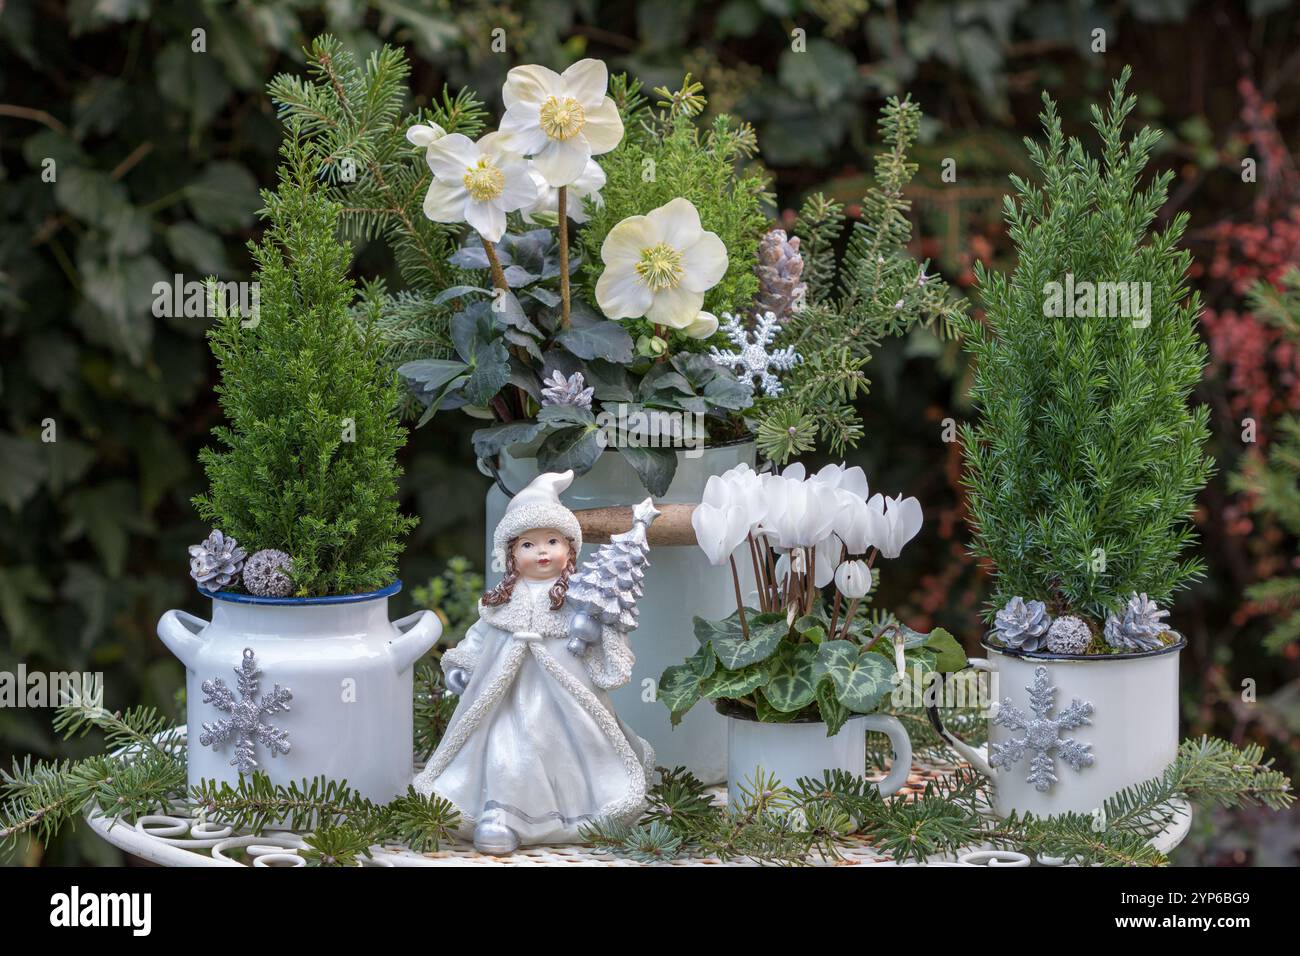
column 902, row 744
column 976, row 758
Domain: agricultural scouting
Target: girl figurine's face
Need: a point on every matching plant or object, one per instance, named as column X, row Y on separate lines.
column 541, row 554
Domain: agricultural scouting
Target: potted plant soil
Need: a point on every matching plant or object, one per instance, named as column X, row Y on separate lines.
column 300, row 673
column 1082, row 470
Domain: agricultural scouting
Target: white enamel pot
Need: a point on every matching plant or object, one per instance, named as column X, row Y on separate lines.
column 680, row 584
column 349, row 671
column 1112, row 723
column 802, row 749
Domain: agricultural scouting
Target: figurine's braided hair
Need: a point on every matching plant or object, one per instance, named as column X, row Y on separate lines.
column 503, row 591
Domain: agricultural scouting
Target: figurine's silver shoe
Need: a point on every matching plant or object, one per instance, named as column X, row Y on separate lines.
column 492, row 836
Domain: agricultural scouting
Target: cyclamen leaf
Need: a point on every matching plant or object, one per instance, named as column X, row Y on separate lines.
column 792, row 685
column 861, row 678
column 679, row 687
column 729, row 685
column 833, row 713
column 735, row 652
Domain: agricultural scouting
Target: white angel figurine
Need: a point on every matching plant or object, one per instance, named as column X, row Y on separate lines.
column 534, row 749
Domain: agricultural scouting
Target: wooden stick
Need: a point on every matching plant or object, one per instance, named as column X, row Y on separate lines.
column 671, row 529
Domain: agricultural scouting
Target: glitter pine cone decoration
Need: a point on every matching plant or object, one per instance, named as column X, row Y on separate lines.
column 1069, row 635
column 216, row 562
column 269, row 573
column 1139, row 628
column 1022, row 625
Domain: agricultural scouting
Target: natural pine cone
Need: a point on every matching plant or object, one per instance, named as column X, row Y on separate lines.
column 780, row 266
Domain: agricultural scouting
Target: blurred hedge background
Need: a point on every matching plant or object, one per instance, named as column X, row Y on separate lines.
column 159, row 152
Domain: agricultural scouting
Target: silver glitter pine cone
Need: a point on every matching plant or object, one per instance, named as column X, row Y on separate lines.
column 269, row 573
column 1022, row 625
column 216, row 562
column 1068, row 635
column 1139, row 628
column 560, row 390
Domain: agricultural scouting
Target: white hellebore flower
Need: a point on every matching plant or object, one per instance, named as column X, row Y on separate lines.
column 895, row 522
column 548, row 197
column 853, row 579
column 426, row 136
column 705, row 324
column 659, row 266
column 561, row 120
column 477, row 183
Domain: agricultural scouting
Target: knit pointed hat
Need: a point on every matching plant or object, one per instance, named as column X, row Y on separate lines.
column 537, row 506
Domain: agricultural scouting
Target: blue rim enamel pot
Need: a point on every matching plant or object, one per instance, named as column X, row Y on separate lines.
column 301, row 687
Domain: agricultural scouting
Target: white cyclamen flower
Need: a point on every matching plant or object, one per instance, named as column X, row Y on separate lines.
column 659, row 266
column 588, row 184
column 561, row 119
column 895, row 521
column 853, row 579
column 719, row 530
column 477, row 183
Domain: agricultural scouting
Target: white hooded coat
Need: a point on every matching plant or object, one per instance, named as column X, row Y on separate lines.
column 534, row 741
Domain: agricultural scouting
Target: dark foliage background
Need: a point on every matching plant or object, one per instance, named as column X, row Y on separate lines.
column 159, row 150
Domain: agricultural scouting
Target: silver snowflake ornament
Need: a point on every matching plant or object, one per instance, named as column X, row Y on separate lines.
column 755, row 358
column 1042, row 734
column 244, row 725
column 560, row 390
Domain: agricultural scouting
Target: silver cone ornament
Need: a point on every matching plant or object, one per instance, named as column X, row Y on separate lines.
column 1140, row 627
column 604, row 591
column 216, row 562
column 560, row 390
column 1022, row 625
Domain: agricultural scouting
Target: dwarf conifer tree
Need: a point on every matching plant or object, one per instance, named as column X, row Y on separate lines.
column 307, row 463
column 1086, row 459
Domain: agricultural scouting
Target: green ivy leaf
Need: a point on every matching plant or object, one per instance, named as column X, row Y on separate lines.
column 769, row 714
column 224, row 195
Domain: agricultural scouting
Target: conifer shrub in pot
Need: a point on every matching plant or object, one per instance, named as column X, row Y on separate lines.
column 300, row 673
column 1082, row 471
